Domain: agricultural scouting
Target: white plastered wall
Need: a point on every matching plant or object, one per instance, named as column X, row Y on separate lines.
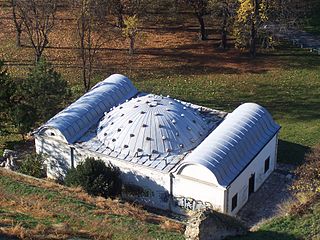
column 196, row 187
column 58, row 155
column 155, row 185
column 240, row 185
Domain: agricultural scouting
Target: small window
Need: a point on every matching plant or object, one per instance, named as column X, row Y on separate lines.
column 266, row 165
column 234, row 202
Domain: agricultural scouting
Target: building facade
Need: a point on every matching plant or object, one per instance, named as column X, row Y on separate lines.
column 173, row 155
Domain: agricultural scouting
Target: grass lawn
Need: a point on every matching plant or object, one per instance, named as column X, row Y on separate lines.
column 31, row 208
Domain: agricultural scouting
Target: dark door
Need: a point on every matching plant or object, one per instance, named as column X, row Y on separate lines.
column 251, row 184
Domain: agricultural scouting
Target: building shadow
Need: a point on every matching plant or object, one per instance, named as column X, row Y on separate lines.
column 289, row 152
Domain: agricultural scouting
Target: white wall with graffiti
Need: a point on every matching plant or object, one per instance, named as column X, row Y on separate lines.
column 181, row 192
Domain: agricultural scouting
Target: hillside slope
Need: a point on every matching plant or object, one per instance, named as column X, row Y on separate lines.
column 38, row 209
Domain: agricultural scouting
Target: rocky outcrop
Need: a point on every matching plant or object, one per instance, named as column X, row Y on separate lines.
column 208, row 224
column 8, row 160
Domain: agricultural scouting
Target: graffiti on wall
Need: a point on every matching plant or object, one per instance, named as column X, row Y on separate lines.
column 190, row 203
column 130, row 190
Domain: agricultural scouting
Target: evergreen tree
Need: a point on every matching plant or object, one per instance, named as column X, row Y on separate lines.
column 44, row 89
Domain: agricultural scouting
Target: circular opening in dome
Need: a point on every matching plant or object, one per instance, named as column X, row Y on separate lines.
column 131, row 135
column 125, row 146
column 130, row 121
column 113, row 139
column 119, row 129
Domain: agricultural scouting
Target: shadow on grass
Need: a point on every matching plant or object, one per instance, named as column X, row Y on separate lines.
column 265, row 235
column 289, row 152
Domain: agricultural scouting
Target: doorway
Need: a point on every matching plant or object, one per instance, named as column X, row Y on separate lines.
column 251, row 184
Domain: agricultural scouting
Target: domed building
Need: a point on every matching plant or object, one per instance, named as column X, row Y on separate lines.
column 173, row 155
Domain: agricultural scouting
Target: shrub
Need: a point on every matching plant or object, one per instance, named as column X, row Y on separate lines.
column 95, row 178
column 33, row 165
column 308, row 175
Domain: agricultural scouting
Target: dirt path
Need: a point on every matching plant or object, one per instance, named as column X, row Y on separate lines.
column 266, row 202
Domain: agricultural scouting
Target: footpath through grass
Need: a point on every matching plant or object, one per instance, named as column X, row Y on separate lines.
column 38, row 209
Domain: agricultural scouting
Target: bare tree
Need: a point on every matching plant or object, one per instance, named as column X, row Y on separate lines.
column 91, row 23
column 38, row 18
column 201, row 9
column 17, row 22
column 223, row 11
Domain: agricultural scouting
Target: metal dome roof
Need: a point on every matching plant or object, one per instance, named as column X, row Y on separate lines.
column 153, row 126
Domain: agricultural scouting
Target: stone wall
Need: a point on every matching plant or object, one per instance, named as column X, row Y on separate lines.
column 208, row 224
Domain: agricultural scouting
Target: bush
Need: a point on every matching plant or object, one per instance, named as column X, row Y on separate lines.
column 95, row 178
column 33, row 165
column 308, row 175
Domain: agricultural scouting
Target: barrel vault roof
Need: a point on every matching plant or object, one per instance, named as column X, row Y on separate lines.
column 235, row 142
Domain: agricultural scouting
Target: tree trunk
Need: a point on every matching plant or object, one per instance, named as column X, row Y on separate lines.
column 253, row 40
column 120, row 22
column 223, row 43
column 17, row 23
column 253, row 32
column 203, row 32
column 38, row 56
column 131, row 48
column 18, row 37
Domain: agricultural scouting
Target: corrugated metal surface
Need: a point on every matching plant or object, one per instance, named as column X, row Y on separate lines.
column 153, row 127
column 151, row 130
column 234, row 143
column 80, row 116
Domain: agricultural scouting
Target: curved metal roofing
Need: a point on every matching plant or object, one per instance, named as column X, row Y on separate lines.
column 234, row 143
column 76, row 119
column 152, row 126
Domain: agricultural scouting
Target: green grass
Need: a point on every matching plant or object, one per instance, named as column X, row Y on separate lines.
column 77, row 213
column 289, row 227
column 291, row 94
